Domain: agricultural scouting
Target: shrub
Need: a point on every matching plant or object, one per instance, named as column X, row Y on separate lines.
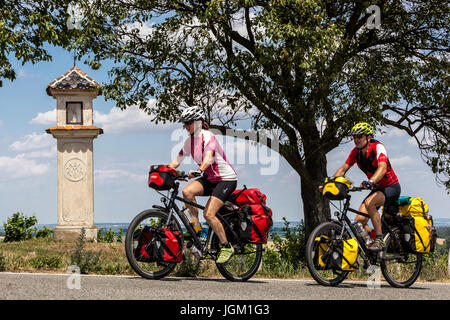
column 18, row 227
column 105, row 236
column 44, row 232
column 109, row 236
column 293, row 245
column 190, row 267
column 120, row 235
column 85, row 260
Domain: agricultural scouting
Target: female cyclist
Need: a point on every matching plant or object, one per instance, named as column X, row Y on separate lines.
column 220, row 179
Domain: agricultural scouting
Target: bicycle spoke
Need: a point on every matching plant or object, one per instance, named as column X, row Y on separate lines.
column 400, row 270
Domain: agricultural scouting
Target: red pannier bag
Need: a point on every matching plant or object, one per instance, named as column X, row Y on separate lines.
column 248, row 196
column 255, row 222
column 159, row 245
column 161, row 177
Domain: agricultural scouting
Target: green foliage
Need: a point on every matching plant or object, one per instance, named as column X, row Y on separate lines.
column 25, row 26
column 443, row 232
column 120, row 235
column 292, row 246
column 109, row 236
column 18, row 227
column 47, row 262
column 2, row 262
column 190, row 266
column 85, row 260
column 44, row 232
column 435, row 266
column 105, row 235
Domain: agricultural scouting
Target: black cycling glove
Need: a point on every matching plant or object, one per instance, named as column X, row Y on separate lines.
column 367, row 184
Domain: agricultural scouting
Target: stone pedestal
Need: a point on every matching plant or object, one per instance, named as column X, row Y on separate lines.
column 75, row 181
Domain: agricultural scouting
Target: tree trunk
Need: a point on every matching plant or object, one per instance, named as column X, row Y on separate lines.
column 316, row 209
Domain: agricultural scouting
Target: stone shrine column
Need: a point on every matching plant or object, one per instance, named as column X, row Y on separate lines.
column 74, row 131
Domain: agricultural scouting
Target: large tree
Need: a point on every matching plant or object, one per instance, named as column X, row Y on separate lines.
column 307, row 69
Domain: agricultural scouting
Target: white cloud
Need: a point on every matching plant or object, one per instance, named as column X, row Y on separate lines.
column 20, row 166
column 402, row 161
column 48, row 117
column 131, row 120
column 395, row 132
column 109, row 175
column 45, row 153
column 32, row 142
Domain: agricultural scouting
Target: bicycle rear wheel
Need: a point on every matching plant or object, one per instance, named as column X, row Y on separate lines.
column 323, row 275
column 400, row 268
column 243, row 264
column 146, row 219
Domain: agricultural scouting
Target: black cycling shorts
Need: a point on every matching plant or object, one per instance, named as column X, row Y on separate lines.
column 221, row 189
column 391, row 194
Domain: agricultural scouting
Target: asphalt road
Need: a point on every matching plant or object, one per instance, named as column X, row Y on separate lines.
column 35, row 286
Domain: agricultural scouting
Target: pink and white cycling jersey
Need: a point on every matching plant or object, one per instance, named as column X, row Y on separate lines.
column 220, row 169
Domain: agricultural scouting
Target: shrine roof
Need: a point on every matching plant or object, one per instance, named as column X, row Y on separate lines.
column 74, row 79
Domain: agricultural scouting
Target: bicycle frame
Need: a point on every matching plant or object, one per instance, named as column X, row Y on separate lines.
column 171, row 205
column 366, row 253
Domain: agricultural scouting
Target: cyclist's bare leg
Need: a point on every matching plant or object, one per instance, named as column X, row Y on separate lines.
column 192, row 190
column 369, row 206
column 212, row 207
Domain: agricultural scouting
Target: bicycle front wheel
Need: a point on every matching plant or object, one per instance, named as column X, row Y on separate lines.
column 146, row 219
column 243, row 264
column 400, row 268
column 323, row 274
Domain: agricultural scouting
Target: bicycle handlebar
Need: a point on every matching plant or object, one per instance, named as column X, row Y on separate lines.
column 357, row 189
column 181, row 175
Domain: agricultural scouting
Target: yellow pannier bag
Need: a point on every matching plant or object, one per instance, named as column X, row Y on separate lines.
column 344, row 256
column 414, row 206
column 322, row 248
column 337, row 254
column 419, row 235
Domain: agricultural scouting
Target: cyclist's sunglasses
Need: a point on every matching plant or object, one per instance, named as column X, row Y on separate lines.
column 358, row 136
column 187, row 123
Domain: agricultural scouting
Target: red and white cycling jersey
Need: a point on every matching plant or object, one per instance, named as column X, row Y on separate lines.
column 220, row 169
column 368, row 162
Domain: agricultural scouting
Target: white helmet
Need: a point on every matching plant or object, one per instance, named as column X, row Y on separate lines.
column 191, row 114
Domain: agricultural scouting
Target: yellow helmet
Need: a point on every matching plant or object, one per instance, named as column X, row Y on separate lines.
column 336, row 188
column 362, row 128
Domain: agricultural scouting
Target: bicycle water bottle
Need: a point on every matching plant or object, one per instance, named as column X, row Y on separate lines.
column 193, row 220
column 364, row 234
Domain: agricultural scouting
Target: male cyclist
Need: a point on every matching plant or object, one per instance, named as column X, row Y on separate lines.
column 220, row 181
column 371, row 157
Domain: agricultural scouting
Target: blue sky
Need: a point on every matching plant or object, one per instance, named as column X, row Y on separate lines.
column 131, row 143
